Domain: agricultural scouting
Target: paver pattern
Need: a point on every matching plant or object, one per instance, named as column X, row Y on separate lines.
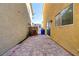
column 40, row 45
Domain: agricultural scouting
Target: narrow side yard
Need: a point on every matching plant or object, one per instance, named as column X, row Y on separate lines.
column 40, row 45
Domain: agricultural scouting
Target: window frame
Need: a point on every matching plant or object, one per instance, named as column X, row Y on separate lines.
column 61, row 17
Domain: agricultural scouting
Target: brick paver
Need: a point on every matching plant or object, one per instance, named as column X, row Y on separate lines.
column 40, row 45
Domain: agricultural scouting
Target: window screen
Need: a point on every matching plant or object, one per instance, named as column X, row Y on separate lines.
column 67, row 17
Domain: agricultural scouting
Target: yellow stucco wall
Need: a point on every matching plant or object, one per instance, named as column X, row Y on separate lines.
column 68, row 35
column 14, row 21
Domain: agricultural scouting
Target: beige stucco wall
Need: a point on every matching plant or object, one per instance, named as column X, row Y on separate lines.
column 14, row 20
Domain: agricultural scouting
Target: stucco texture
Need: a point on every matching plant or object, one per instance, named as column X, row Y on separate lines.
column 14, row 22
column 67, row 36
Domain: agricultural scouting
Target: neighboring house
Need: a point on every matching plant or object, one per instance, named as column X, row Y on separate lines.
column 14, row 22
column 63, row 22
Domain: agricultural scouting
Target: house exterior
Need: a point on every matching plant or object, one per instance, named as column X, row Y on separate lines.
column 15, row 21
column 63, row 20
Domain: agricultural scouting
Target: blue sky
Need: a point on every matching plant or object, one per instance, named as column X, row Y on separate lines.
column 38, row 9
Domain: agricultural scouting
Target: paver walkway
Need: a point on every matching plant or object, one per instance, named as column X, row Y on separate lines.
column 40, row 45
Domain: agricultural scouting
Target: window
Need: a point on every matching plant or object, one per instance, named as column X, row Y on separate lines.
column 58, row 20
column 65, row 17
